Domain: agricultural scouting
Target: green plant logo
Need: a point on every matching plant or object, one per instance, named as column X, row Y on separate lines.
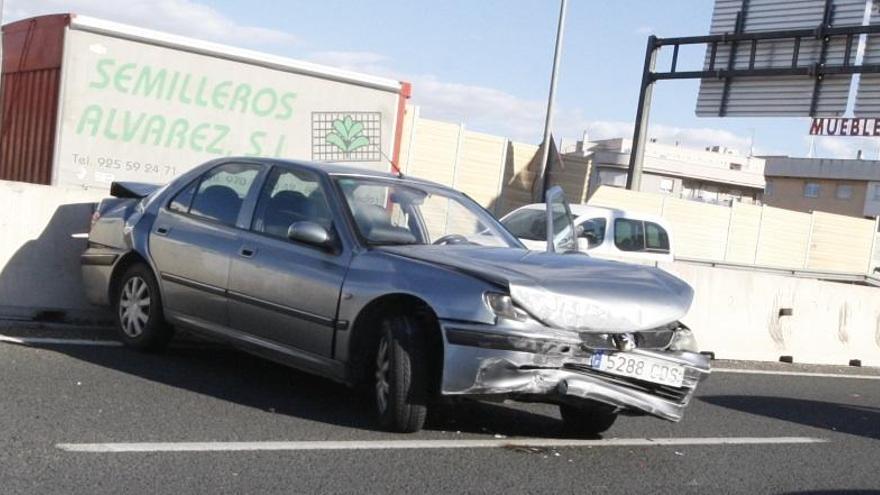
column 347, row 135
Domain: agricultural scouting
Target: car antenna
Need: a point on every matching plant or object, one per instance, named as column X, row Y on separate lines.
column 393, row 165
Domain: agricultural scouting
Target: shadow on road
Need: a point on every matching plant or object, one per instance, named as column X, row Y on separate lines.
column 835, row 492
column 844, row 418
column 233, row 376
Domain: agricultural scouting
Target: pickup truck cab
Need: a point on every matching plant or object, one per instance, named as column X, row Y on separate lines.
column 602, row 232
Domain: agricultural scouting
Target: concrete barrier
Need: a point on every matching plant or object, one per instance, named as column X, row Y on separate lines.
column 758, row 316
column 39, row 260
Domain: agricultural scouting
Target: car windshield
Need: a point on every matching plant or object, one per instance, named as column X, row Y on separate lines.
column 390, row 212
column 531, row 223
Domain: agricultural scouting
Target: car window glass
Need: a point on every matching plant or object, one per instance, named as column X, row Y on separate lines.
column 393, row 213
column 183, row 199
column 376, row 207
column 656, row 238
column 629, row 235
column 530, row 224
column 290, row 196
column 594, row 231
column 222, row 192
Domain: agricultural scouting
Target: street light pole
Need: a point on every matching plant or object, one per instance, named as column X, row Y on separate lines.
column 546, row 142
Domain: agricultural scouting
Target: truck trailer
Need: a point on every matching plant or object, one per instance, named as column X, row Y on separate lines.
column 87, row 102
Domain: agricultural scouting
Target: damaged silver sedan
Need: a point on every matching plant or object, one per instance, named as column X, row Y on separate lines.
column 401, row 285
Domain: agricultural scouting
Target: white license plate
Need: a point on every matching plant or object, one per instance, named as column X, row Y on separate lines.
column 641, row 367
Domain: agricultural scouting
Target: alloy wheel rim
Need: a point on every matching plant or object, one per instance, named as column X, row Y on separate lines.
column 134, row 306
column 383, row 364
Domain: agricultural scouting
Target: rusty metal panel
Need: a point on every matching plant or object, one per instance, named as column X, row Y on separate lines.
column 30, row 106
column 29, row 89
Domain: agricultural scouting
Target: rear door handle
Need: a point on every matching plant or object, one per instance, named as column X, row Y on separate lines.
column 247, row 252
column 162, row 230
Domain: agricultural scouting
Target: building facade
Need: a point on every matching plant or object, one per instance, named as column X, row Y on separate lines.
column 845, row 187
column 713, row 175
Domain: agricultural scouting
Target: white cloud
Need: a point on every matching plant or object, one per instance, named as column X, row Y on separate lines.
column 366, row 62
column 184, row 17
column 845, row 147
column 498, row 112
column 481, row 108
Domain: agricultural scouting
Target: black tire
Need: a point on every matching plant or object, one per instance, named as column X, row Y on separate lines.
column 140, row 326
column 400, row 365
column 587, row 420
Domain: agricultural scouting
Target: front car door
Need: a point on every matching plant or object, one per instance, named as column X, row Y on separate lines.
column 284, row 291
column 560, row 223
column 194, row 238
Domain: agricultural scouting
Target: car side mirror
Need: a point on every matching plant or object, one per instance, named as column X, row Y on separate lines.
column 310, row 233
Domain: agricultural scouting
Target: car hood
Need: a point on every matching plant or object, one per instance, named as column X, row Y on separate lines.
column 571, row 291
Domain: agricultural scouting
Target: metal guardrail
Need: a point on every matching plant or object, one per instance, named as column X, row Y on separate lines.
column 830, row 276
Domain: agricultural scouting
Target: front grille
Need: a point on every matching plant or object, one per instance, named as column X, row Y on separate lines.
column 648, row 339
column 678, row 395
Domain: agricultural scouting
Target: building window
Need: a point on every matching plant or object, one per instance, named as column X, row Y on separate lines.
column 736, row 166
column 812, row 190
column 666, row 186
column 611, row 177
column 844, row 191
column 876, row 192
column 768, row 188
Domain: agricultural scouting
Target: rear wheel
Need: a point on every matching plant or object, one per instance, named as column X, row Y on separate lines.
column 401, row 376
column 139, row 319
column 588, row 419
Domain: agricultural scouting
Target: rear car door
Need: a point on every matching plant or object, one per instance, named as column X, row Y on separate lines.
column 195, row 237
column 281, row 290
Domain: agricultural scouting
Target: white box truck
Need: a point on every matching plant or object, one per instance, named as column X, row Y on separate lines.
column 87, row 102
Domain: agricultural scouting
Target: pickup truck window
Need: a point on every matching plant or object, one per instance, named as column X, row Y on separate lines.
column 629, row 235
column 593, row 231
column 638, row 235
column 656, row 238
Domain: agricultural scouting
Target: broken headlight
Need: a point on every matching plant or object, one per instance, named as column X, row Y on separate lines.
column 503, row 307
column 683, row 340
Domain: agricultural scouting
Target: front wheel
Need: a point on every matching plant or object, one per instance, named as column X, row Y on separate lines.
column 588, row 419
column 139, row 318
column 401, row 376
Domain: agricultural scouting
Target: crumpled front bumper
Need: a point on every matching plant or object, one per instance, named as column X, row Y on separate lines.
column 490, row 362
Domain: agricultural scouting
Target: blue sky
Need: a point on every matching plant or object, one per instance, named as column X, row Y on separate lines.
column 485, row 63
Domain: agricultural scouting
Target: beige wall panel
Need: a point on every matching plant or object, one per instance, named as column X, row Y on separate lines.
column 612, row 197
column 783, row 238
column 745, row 222
column 699, row 230
column 840, row 243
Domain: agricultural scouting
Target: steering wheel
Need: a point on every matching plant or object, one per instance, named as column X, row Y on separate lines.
column 451, row 239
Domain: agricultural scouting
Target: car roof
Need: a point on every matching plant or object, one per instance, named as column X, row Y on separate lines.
column 582, row 210
column 338, row 169
column 578, row 210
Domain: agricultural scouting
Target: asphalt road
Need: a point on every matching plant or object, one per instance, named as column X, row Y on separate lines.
column 203, row 398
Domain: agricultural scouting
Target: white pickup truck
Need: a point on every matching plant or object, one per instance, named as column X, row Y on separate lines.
column 602, row 232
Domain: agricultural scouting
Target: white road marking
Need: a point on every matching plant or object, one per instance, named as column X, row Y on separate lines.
column 50, row 341
column 795, row 373
column 423, row 444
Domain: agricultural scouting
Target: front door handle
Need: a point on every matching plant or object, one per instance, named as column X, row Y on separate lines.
column 163, row 230
column 247, row 252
